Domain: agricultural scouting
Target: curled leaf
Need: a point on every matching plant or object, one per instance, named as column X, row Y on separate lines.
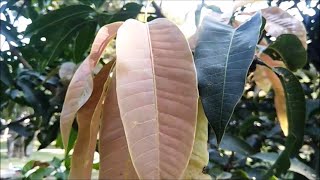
column 81, row 85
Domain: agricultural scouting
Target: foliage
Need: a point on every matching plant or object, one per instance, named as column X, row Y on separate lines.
column 288, row 92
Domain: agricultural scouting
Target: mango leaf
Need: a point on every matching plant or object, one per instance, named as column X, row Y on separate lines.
column 129, row 10
column 281, row 22
column 290, row 50
column 84, row 39
column 5, row 76
column 279, row 94
column 57, row 17
column 81, row 85
column 115, row 160
column 260, row 77
column 222, row 57
column 157, row 96
column 234, row 143
column 296, row 113
column 200, row 157
column 41, row 173
column 88, row 125
column 295, row 104
column 68, row 32
column 28, row 166
column 296, row 165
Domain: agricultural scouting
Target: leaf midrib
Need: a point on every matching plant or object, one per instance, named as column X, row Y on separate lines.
column 224, row 80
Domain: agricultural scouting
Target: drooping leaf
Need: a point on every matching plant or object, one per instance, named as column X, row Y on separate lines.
column 295, row 105
column 281, row 22
column 58, row 16
column 200, row 157
column 296, row 165
column 157, row 96
column 290, row 50
column 222, row 57
column 88, row 125
column 296, row 114
column 81, row 85
column 115, row 160
column 83, row 40
column 279, row 94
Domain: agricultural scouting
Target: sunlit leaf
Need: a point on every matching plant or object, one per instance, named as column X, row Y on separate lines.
column 222, row 57
column 200, row 157
column 281, row 22
column 157, row 96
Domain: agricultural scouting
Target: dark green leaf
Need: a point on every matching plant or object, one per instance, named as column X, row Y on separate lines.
column 83, row 40
column 296, row 106
column 48, row 135
column 233, row 143
column 129, row 10
column 57, row 17
column 41, row 173
column 290, row 50
column 10, row 32
column 70, row 30
column 222, row 57
column 296, row 165
column 5, row 75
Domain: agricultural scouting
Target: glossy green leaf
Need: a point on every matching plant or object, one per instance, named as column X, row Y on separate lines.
column 296, row 105
column 296, row 165
column 296, row 113
column 41, row 173
column 83, row 40
column 222, row 57
column 58, row 16
column 290, row 50
column 28, row 166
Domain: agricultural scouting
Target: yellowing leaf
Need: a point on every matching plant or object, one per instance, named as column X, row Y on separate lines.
column 279, row 96
column 115, row 161
column 157, row 96
column 88, row 125
column 280, row 22
column 81, row 85
column 200, row 157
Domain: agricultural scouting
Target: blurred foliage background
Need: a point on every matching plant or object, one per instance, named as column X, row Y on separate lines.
column 43, row 41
